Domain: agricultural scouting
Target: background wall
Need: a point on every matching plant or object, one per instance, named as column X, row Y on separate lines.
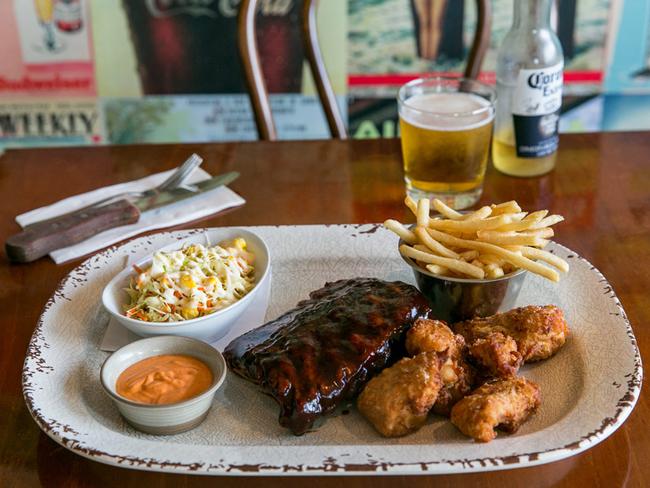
column 131, row 71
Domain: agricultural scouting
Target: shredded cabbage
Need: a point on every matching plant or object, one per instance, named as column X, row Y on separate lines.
column 192, row 282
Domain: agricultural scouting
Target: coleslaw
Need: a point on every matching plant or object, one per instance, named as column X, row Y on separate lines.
column 192, row 282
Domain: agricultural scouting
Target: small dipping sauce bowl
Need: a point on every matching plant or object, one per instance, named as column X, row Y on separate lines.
column 455, row 299
column 170, row 418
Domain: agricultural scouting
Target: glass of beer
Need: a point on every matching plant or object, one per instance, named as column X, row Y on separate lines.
column 446, row 129
column 45, row 14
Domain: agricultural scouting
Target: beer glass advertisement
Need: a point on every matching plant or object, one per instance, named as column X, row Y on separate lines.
column 180, row 73
column 47, row 74
column 46, row 49
column 393, row 41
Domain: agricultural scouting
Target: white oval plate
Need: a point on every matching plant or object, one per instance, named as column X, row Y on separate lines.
column 589, row 388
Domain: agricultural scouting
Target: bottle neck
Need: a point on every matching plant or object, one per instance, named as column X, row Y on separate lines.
column 532, row 14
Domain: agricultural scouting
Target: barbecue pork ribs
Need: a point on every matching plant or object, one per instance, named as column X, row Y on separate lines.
column 323, row 351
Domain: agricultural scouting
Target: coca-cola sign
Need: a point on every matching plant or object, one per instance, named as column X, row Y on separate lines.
column 213, row 8
column 168, row 8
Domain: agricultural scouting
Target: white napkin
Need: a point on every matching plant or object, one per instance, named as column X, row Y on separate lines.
column 184, row 211
column 117, row 335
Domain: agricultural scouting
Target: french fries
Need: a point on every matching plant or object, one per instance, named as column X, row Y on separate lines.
column 435, row 246
column 423, row 212
column 399, row 229
column 442, row 209
column 457, row 265
column 488, row 243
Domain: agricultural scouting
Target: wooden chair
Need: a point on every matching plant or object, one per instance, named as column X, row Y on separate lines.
column 481, row 40
column 255, row 77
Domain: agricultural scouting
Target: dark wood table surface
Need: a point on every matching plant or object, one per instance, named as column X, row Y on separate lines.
column 601, row 185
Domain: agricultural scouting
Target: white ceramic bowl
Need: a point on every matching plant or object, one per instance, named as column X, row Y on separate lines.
column 174, row 417
column 209, row 327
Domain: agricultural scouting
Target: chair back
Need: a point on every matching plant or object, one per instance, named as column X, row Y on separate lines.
column 481, row 40
column 254, row 75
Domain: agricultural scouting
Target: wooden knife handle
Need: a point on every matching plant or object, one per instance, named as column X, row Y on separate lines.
column 37, row 240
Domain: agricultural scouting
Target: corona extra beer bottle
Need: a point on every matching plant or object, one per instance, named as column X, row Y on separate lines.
column 529, row 93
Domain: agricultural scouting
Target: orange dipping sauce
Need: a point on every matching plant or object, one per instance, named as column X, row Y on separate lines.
column 169, row 378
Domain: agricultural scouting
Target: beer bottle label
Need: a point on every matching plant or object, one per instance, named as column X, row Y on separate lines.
column 536, row 111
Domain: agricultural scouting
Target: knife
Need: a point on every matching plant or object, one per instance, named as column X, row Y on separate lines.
column 41, row 238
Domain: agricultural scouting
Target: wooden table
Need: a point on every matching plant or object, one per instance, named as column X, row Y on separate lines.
column 601, row 186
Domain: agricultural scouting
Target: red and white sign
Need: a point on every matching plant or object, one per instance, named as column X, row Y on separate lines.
column 46, row 49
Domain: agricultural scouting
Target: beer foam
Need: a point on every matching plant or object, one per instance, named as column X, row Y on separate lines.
column 449, row 111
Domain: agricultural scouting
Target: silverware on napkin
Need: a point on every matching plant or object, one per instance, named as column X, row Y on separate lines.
column 38, row 239
column 176, row 179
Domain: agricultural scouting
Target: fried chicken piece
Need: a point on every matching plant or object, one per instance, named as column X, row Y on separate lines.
column 457, row 379
column 432, row 336
column 538, row 331
column 504, row 404
column 496, row 355
column 456, row 374
column 398, row 400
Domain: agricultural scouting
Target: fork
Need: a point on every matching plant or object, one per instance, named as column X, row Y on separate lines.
column 175, row 180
